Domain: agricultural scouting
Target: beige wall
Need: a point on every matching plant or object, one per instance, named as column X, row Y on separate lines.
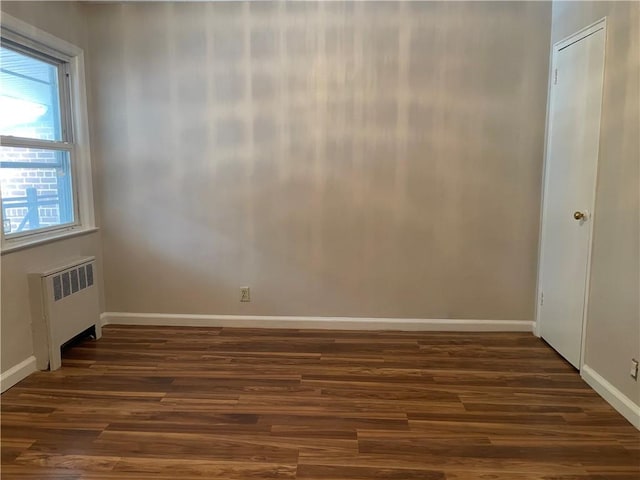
column 613, row 323
column 351, row 159
column 66, row 21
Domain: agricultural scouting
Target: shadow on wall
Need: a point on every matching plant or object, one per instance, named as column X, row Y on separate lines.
column 327, row 155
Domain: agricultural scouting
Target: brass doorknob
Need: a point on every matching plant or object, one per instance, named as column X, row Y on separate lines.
column 578, row 215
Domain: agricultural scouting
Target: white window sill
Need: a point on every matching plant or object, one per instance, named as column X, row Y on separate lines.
column 37, row 240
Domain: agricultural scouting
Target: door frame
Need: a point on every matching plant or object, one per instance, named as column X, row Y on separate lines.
column 555, row 49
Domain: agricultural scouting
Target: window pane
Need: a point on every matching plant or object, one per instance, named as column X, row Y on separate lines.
column 36, row 189
column 29, row 97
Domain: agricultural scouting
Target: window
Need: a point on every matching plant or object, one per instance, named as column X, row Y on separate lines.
column 43, row 138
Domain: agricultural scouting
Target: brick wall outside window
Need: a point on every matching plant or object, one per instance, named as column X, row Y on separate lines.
column 14, row 182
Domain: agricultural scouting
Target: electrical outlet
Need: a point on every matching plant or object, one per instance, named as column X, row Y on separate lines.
column 634, row 369
column 245, row 294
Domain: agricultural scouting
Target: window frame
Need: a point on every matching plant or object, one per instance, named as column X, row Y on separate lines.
column 30, row 40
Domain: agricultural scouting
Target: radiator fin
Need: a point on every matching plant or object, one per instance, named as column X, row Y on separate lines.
column 89, row 274
column 72, row 281
column 57, row 288
column 83, row 278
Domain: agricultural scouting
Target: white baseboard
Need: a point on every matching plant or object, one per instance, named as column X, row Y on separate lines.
column 535, row 328
column 623, row 404
column 325, row 323
column 16, row 373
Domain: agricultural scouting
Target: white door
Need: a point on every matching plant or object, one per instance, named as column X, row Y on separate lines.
column 569, row 194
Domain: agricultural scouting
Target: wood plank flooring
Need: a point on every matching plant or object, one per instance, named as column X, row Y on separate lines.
column 207, row 403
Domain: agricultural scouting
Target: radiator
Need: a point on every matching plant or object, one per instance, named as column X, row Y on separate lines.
column 64, row 303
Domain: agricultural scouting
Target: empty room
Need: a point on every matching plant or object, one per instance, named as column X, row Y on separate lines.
column 324, row 240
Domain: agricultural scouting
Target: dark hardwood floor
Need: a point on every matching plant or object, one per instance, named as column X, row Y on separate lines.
column 206, row 403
